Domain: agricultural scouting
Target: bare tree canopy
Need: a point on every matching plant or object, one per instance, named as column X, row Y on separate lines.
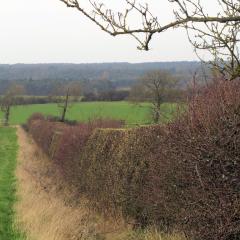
column 9, row 100
column 66, row 95
column 154, row 87
column 185, row 12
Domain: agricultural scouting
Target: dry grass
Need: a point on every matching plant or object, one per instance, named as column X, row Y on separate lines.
column 150, row 234
column 45, row 210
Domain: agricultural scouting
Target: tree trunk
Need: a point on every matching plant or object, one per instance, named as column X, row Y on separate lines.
column 65, row 107
column 156, row 115
column 157, row 109
column 6, row 116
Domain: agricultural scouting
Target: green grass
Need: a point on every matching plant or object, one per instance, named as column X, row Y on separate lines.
column 8, row 155
column 131, row 113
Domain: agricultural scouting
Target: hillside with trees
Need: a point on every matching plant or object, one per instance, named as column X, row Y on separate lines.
column 41, row 79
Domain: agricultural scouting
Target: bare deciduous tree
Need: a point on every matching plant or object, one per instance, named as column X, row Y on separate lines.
column 66, row 95
column 9, row 100
column 154, row 87
column 217, row 33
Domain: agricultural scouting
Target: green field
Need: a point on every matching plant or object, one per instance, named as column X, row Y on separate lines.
column 131, row 113
column 8, row 154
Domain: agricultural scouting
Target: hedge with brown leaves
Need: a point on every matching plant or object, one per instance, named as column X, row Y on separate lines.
column 201, row 158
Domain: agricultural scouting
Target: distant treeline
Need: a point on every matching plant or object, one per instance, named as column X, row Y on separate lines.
column 41, row 79
column 175, row 95
column 26, row 100
column 112, row 95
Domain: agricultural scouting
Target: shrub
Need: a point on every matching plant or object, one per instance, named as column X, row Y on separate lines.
column 201, row 182
column 115, row 166
column 33, row 117
column 44, row 133
column 111, row 95
column 52, row 118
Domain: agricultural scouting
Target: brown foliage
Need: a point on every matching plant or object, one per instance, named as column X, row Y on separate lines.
column 201, row 162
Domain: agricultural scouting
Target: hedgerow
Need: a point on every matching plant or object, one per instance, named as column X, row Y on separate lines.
column 115, row 165
column 64, row 143
column 201, row 159
column 183, row 176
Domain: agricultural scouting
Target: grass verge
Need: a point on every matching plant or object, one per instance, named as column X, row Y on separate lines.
column 8, row 153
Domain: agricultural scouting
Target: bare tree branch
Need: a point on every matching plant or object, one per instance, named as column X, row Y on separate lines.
column 118, row 23
column 218, row 34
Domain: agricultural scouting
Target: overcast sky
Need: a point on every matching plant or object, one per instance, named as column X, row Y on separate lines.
column 46, row 31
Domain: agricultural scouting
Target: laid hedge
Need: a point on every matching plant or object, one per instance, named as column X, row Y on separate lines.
column 183, row 176
column 115, row 165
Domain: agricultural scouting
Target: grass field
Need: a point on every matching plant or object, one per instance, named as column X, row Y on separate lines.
column 132, row 114
column 8, row 153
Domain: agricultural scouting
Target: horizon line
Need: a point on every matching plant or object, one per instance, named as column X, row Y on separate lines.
column 81, row 63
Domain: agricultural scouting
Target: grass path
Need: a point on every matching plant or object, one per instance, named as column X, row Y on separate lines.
column 8, row 155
